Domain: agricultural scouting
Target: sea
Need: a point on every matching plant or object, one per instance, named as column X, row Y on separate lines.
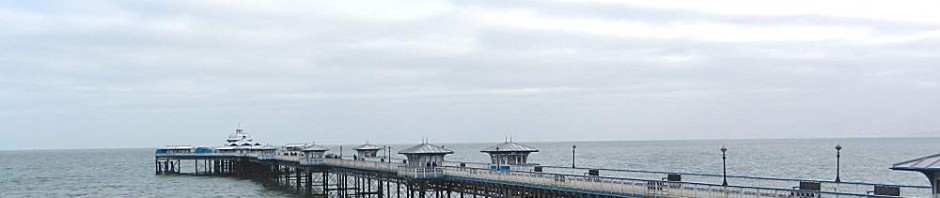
column 130, row 172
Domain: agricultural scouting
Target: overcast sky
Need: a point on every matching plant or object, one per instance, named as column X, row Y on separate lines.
column 92, row 74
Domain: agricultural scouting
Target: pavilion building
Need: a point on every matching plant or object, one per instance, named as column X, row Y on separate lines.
column 367, row 150
column 509, row 156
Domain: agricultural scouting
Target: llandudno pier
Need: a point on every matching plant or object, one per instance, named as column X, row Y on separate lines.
column 307, row 170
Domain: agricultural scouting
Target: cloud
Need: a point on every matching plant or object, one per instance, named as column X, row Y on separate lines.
column 402, row 70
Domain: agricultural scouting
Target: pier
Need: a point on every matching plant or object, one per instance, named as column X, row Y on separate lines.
column 308, row 170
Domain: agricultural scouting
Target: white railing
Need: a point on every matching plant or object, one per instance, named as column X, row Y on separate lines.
column 421, row 172
column 398, row 168
column 750, row 181
column 625, row 186
column 312, row 161
column 365, row 165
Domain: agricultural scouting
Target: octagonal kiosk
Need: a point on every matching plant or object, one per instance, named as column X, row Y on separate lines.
column 929, row 166
column 367, row 150
column 510, row 156
column 313, row 155
column 424, row 161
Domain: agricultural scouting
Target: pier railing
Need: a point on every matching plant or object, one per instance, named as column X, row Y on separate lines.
column 637, row 187
column 420, row 172
column 737, row 180
column 751, row 181
column 595, row 184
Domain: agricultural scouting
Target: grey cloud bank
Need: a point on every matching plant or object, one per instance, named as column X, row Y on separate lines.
column 146, row 73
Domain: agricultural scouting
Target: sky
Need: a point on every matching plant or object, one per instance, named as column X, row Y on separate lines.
column 147, row 73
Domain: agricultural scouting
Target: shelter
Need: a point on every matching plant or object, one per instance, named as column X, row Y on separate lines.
column 508, row 154
column 425, row 154
column 929, row 166
column 367, row 150
column 313, row 154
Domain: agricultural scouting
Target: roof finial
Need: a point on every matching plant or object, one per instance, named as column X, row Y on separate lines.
column 510, row 138
column 238, row 127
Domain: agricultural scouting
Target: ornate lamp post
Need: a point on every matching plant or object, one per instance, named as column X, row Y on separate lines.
column 724, row 167
column 838, row 155
column 573, row 147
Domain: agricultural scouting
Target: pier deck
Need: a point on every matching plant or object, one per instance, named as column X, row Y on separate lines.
column 551, row 181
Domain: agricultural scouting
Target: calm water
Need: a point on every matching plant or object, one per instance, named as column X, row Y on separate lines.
column 129, row 172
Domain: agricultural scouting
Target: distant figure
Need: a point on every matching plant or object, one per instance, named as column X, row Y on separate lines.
column 355, row 157
column 428, row 164
column 433, row 163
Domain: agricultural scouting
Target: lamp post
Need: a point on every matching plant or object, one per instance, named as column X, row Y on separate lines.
column 838, row 155
column 389, row 155
column 724, row 167
column 340, row 151
column 573, row 147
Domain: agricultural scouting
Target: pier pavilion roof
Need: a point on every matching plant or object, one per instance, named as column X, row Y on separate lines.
column 244, row 143
column 425, row 148
column 368, row 146
column 240, row 139
column 509, row 146
column 238, row 135
column 928, row 163
column 314, row 147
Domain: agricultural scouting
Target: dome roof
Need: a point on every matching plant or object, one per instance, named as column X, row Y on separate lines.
column 314, row 147
column 368, row 146
column 425, row 148
column 509, row 147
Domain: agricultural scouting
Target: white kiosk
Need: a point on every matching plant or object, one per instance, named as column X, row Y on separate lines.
column 313, row 155
column 510, row 156
column 424, row 161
